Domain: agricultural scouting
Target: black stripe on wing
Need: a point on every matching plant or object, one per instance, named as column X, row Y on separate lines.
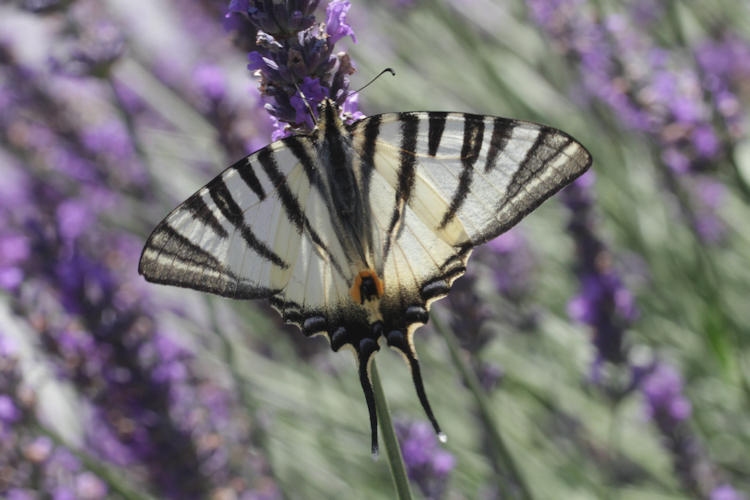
column 535, row 160
column 502, row 129
column 247, row 174
column 298, row 149
column 406, row 174
column 290, row 202
column 472, row 144
column 536, row 179
column 367, row 167
column 170, row 258
column 223, row 199
column 204, row 214
column 435, row 132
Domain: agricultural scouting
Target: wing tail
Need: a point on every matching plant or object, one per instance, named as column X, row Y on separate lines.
column 365, row 350
column 398, row 341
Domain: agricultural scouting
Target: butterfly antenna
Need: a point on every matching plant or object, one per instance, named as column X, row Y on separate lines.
column 386, row 70
column 397, row 340
column 364, row 353
column 307, row 103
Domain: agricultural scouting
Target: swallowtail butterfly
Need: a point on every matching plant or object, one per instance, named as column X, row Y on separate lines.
column 354, row 230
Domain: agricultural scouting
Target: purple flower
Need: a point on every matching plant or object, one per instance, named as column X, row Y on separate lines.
column 511, row 262
column 73, row 219
column 726, row 492
column 21, row 494
column 211, row 81
column 90, row 487
column 146, row 402
column 648, row 87
column 43, row 6
column 9, row 413
column 278, row 18
column 310, row 94
column 336, row 26
column 427, row 465
column 663, row 391
column 39, row 450
column 295, row 57
column 350, row 109
column 96, row 48
column 14, row 249
column 706, row 142
column 602, row 302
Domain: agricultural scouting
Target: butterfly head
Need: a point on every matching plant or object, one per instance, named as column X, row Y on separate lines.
column 328, row 115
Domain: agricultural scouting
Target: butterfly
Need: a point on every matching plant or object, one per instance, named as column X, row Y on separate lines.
column 352, row 231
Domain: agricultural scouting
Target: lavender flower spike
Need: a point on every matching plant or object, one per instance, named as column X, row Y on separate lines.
column 427, row 465
column 295, row 59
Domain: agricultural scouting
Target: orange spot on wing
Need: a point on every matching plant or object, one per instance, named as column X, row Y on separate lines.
column 356, row 290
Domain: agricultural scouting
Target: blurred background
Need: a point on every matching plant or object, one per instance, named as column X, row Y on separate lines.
column 600, row 347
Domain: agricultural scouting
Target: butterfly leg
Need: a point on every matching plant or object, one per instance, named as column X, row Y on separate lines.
column 397, row 339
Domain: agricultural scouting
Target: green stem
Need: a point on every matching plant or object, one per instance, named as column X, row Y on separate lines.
column 496, row 440
column 393, row 450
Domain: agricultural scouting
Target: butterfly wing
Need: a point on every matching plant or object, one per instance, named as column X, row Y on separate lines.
column 447, row 182
column 234, row 237
column 442, row 184
column 263, row 228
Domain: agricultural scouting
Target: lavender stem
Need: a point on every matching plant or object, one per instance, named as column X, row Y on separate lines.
column 392, row 448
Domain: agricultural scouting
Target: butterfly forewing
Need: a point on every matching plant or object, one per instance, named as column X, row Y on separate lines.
column 476, row 175
column 233, row 237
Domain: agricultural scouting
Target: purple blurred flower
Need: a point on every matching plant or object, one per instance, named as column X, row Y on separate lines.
column 109, row 139
column 28, row 460
column 707, row 195
column 73, row 219
column 21, row 494
column 14, row 249
column 603, row 302
column 211, row 81
column 96, row 47
column 706, row 142
column 725, row 66
column 278, row 18
column 44, row 6
column 649, row 87
column 669, row 410
column 90, row 487
column 511, row 262
column 147, row 405
column 663, row 391
column 726, row 492
column 9, row 413
column 427, row 465
column 469, row 313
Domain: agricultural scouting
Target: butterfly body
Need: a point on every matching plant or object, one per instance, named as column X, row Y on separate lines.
column 354, row 230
